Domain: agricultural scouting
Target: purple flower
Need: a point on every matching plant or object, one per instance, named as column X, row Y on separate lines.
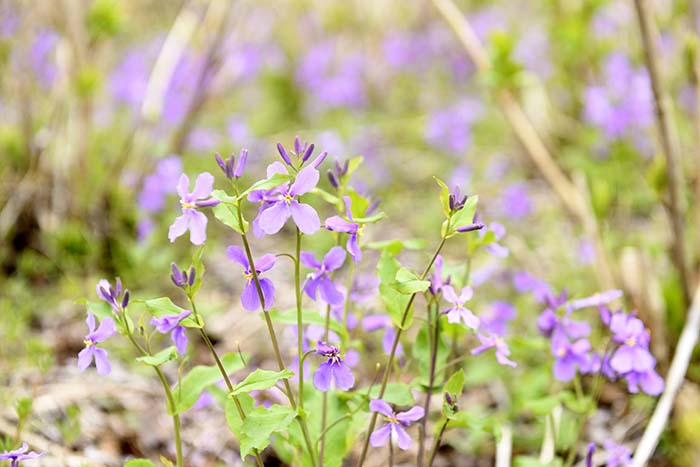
column 19, row 454
column 113, row 295
column 285, row 205
column 338, row 224
column 320, row 279
column 436, row 281
column 229, row 167
column 159, row 184
column 166, row 324
column 525, row 282
column 457, row 311
column 374, row 322
column 91, row 351
column 449, row 129
column 649, row 380
column 495, row 248
column 569, row 356
column 192, row 219
column 599, row 299
column 497, row 342
column 496, row 319
column 632, row 354
column 618, row 455
column 250, row 299
column 334, row 368
column 515, row 201
column 396, row 424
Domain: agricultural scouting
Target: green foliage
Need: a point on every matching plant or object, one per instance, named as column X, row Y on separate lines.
column 395, row 393
column 260, row 423
column 139, row 463
column 163, row 306
column 260, row 379
column 308, row 317
column 104, row 19
column 394, row 300
column 505, row 71
column 227, row 212
column 274, row 181
column 199, row 378
column 166, row 355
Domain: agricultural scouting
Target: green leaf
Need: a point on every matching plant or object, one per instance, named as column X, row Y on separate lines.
column 139, row 463
column 188, row 391
column 395, row 246
column 161, row 357
column 308, row 317
column 199, row 268
column 409, row 283
column 395, row 393
column 276, row 180
column 233, row 417
column 327, row 197
column 444, row 197
column 166, row 462
column 455, row 384
column 102, row 310
column 395, row 301
column 543, row 405
column 261, row 423
column 260, row 379
column 528, row 461
column 353, row 165
column 227, row 212
column 371, row 219
column 163, row 306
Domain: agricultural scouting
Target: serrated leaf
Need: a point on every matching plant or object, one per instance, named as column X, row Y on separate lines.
column 163, row 306
column 164, row 356
column 274, row 181
column 260, row 379
column 396, row 393
column 191, row 386
column 261, row 423
column 227, row 212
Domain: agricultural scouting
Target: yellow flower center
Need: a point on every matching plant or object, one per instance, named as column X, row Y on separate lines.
column 631, row 341
column 248, row 275
column 561, row 352
column 88, row 342
column 288, row 198
column 187, row 205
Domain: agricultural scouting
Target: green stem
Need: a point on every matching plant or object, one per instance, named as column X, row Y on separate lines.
column 436, row 444
column 392, row 355
column 300, row 322
column 301, row 418
column 224, row 373
column 434, row 334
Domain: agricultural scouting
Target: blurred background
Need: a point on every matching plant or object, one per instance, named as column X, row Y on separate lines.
column 104, row 103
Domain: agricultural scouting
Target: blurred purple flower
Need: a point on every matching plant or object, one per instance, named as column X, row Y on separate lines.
column 396, row 424
column 497, row 342
column 160, row 183
column 515, row 201
column 320, row 278
column 375, row 322
column 353, row 229
column 250, row 298
column 618, row 455
column 495, row 320
column 20, row 454
column 42, row 62
column 569, row 356
column 332, row 369
column 91, row 351
column 166, row 324
column 192, row 219
column 449, row 129
column 633, row 353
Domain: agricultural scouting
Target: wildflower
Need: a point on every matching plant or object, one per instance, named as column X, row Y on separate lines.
column 230, row 168
column 649, row 380
column 569, row 356
column 497, row 342
column 166, row 324
column 320, row 279
column 589, row 455
column 633, row 353
column 396, row 424
column 158, row 185
column 334, row 368
column 91, row 351
column 338, row 224
column 182, row 278
column 285, row 205
column 112, row 295
column 302, row 151
column 618, row 455
column 598, row 299
column 436, row 281
column 250, row 299
column 457, row 311
column 496, row 319
column 495, row 248
column 456, row 200
column 336, row 175
column 19, row 454
column 192, row 219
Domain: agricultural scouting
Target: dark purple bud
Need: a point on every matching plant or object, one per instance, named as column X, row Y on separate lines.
column 298, row 148
column 346, row 166
column 319, row 160
column 192, row 275
column 589, row 455
column 448, row 398
column 220, row 162
column 107, row 293
column 308, row 153
column 229, row 166
column 125, row 300
column 206, row 203
column 470, row 227
column 452, row 202
column 332, row 179
column 242, row 159
column 283, row 153
column 177, row 276
column 118, row 284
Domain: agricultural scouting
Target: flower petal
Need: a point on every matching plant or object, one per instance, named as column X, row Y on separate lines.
column 268, row 290
column 273, row 218
column 380, row 406
column 203, row 186
column 179, row 337
column 334, row 258
column 305, row 217
column 380, row 436
column 198, row 227
column 450, row 295
column 354, row 248
column 564, row 370
column 183, row 187
column 102, row 362
column 178, row 227
column 329, row 292
column 85, row 358
column 338, row 224
column 265, row 262
column 306, row 180
column 90, row 321
column 236, row 253
column 105, row 330
column 404, row 439
column 322, row 377
column 249, row 297
column 411, row 415
column 344, row 379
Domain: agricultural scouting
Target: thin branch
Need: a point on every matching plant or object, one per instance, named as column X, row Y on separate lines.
column 669, row 141
column 504, row 447
column 674, row 379
column 572, row 199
